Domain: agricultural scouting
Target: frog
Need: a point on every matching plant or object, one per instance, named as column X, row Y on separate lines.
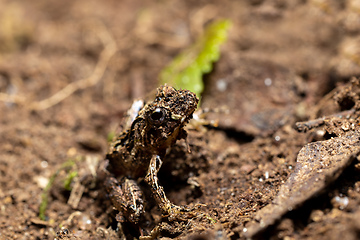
column 137, row 153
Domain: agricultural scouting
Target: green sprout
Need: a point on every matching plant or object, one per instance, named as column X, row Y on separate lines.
column 45, row 193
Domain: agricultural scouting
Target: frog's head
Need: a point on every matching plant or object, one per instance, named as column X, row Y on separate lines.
column 168, row 114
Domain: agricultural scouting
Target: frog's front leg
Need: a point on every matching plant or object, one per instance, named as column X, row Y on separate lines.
column 173, row 211
column 127, row 198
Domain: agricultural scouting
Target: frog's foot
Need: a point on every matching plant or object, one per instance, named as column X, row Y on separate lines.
column 153, row 234
column 181, row 213
column 126, row 198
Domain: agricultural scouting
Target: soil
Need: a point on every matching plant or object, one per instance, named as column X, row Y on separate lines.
column 282, row 162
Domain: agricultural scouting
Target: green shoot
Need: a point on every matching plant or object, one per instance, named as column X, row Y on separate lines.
column 45, row 196
column 45, row 193
column 69, row 179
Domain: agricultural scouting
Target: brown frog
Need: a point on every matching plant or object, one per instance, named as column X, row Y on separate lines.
column 138, row 151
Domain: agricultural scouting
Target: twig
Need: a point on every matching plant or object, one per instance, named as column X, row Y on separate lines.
column 307, row 125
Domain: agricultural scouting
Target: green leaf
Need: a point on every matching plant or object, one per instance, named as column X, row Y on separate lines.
column 186, row 70
column 110, row 136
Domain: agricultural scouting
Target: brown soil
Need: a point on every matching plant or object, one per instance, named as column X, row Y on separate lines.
column 70, row 69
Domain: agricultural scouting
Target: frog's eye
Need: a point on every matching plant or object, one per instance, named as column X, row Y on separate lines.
column 157, row 116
